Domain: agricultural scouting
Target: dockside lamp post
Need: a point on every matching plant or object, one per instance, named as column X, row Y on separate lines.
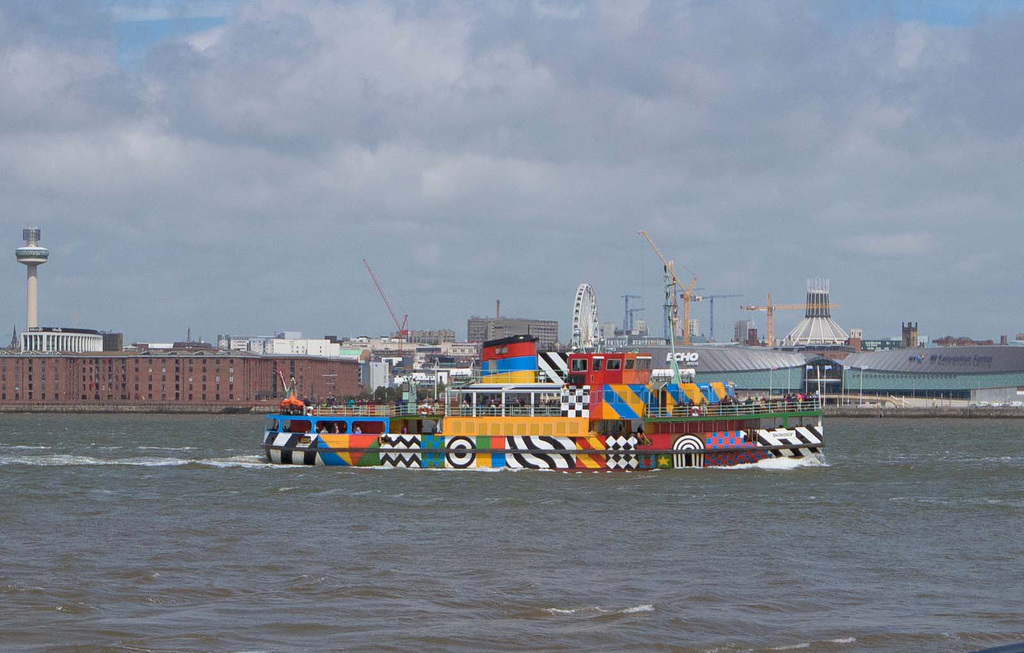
column 843, row 388
column 861, row 387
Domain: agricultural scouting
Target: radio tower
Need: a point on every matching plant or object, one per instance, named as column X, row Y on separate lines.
column 32, row 256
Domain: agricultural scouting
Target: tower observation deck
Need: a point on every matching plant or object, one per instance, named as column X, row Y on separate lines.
column 32, row 255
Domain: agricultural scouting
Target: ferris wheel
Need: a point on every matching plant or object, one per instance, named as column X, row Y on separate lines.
column 585, row 329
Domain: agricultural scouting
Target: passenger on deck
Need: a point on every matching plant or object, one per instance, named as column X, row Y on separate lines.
column 641, row 437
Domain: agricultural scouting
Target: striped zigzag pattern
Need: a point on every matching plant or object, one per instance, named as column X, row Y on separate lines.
column 552, row 367
column 554, row 452
column 801, row 435
column 292, row 453
column 404, row 451
column 590, row 460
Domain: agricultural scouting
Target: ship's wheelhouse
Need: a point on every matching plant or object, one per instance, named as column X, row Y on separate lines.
column 600, row 369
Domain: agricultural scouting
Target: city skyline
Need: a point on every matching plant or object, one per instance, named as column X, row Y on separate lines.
column 202, row 164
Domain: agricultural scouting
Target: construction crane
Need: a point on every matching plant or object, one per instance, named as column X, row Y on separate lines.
column 686, row 292
column 403, row 332
column 711, row 300
column 627, row 319
column 770, row 309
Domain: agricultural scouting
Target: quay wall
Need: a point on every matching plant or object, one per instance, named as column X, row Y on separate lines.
column 165, row 409
column 931, row 411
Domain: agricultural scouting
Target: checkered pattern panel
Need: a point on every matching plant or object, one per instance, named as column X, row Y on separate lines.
column 617, row 446
column 576, row 401
column 727, row 440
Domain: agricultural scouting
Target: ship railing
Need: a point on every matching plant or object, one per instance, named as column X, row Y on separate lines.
column 735, row 410
column 464, row 410
column 376, row 410
column 461, row 381
column 764, row 407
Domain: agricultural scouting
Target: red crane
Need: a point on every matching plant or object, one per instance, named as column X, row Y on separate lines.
column 403, row 332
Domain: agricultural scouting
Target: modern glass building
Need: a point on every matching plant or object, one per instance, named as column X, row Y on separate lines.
column 981, row 373
column 987, row 373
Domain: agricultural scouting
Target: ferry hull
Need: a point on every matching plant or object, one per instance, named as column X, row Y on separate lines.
column 592, row 452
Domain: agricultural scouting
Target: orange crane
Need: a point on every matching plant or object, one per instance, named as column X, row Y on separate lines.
column 770, row 309
column 403, row 331
column 686, row 292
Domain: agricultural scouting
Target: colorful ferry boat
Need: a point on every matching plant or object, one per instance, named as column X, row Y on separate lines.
column 530, row 410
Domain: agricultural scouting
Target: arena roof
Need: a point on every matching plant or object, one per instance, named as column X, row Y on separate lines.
column 942, row 360
column 727, row 358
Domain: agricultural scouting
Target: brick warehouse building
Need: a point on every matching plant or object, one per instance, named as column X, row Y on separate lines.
column 178, row 378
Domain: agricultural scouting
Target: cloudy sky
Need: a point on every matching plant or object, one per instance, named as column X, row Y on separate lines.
column 226, row 166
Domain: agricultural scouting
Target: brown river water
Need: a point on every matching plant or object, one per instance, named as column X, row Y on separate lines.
column 160, row 533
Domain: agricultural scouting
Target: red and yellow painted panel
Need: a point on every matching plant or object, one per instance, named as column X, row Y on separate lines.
column 588, row 460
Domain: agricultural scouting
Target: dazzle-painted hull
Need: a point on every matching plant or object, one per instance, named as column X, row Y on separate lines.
column 575, row 412
column 585, row 452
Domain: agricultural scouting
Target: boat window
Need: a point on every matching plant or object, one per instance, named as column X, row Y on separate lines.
column 271, row 424
column 614, row 364
column 368, row 426
column 598, row 364
column 296, row 425
column 579, row 365
column 630, row 362
column 643, row 363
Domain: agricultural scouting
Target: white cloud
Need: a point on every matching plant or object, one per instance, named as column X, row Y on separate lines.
column 481, row 150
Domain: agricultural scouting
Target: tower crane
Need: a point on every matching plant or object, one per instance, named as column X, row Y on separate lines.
column 770, row 309
column 711, row 300
column 403, row 331
column 686, row 292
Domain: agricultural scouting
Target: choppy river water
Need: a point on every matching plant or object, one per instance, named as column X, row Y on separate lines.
column 170, row 533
